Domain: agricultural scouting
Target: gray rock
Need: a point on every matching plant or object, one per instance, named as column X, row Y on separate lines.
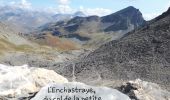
column 141, row 90
column 143, row 53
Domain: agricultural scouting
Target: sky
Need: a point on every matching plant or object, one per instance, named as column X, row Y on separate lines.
column 149, row 8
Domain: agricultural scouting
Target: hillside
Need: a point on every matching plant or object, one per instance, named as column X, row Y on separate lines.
column 92, row 31
column 23, row 20
column 124, row 20
column 10, row 40
column 143, row 53
column 16, row 50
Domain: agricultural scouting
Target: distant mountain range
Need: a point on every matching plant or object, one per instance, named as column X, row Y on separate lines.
column 28, row 20
column 71, row 30
column 64, row 17
column 25, row 20
column 91, row 27
column 122, row 21
column 22, row 19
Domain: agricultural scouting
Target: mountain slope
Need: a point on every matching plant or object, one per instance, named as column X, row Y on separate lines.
column 16, row 50
column 128, row 18
column 24, row 20
column 63, row 17
column 122, row 21
column 93, row 31
column 144, row 54
column 10, row 40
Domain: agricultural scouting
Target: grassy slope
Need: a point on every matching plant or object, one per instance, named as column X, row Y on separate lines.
column 61, row 44
column 6, row 46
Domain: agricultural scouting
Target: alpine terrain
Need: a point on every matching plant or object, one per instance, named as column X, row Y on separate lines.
column 80, row 56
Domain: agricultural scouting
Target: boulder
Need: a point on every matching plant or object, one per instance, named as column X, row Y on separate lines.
column 142, row 90
column 17, row 81
column 78, row 91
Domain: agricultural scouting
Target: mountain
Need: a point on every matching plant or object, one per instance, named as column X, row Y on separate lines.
column 143, row 53
column 66, row 17
column 127, row 19
column 11, row 41
column 122, row 21
column 79, row 14
column 23, row 20
column 26, row 20
column 91, row 31
column 17, row 50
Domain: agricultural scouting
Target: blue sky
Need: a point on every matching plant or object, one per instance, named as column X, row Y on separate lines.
column 149, row 8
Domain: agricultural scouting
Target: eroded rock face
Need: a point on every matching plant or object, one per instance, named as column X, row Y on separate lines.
column 17, row 81
column 98, row 93
column 141, row 90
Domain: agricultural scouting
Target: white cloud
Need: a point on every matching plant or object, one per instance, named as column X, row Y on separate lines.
column 64, row 2
column 1, row 2
column 61, row 9
column 63, row 6
column 22, row 4
column 95, row 11
column 64, row 9
column 25, row 3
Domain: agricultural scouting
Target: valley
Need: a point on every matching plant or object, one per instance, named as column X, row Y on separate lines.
column 121, row 54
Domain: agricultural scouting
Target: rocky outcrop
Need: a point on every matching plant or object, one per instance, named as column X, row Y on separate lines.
column 79, row 90
column 141, row 90
column 19, row 81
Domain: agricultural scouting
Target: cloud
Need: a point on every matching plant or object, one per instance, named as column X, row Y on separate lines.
column 60, row 9
column 1, row 2
column 25, row 3
column 95, row 11
column 64, row 9
column 62, row 6
column 21, row 4
column 64, row 2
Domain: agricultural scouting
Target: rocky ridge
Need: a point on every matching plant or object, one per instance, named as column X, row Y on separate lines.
column 124, row 20
column 143, row 53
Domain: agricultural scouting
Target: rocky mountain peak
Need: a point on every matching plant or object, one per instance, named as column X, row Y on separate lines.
column 125, row 19
column 126, row 12
column 79, row 13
